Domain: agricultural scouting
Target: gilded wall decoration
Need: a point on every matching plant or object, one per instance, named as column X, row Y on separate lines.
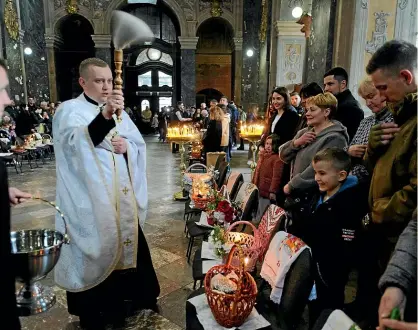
column 11, row 20
column 72, row 7
column 216, row 9
column 379, row 35
column 264, row 18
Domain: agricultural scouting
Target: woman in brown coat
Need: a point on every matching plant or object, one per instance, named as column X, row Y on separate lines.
column 268, row 174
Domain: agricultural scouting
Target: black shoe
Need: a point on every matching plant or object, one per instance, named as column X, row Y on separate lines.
column 240, row 148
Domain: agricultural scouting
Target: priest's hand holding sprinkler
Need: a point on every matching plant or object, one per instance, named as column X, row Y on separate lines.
column 126, row 31
column 115, row 104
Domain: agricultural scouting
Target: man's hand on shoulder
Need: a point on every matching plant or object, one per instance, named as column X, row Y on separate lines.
column 119, row 144
column 16, row 196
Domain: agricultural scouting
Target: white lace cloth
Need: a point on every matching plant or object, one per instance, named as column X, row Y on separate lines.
column 204, row 314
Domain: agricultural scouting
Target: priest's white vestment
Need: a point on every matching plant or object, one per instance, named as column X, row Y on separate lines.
column 103, row 196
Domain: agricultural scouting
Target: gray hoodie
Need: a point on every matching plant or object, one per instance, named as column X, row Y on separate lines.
column 300, row 158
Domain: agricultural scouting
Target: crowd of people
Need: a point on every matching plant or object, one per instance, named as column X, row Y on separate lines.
column 349, row 184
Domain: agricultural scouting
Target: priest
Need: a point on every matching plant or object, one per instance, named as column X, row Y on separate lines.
column 102, row 190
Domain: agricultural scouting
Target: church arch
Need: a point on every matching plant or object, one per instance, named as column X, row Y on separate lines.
column 227, row 16
column 172, row 4
column 61, row 14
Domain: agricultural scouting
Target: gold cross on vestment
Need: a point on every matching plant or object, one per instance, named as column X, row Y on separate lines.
column 125, row 190
column 127, row 242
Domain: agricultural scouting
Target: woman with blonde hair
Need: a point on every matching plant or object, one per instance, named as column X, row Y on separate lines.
column 212, row 139
column 381, row 114
column 322, row 132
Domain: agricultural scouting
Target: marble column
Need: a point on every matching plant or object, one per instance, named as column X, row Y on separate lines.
column 102, row 47
column 52, row 43
column 36, row 66
column 188, row 69
column 291, row 53
column 251, row 64
column 321, row 41
column 237, row 70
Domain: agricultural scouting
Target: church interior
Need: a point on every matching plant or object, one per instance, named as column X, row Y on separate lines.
column 202, row 51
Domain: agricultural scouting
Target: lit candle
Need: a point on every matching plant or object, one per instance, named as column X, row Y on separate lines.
column 246, row 261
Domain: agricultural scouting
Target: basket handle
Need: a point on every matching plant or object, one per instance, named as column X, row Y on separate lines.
column 195, row 165
column 255, row 230
column 66, row 237
column 241, row 269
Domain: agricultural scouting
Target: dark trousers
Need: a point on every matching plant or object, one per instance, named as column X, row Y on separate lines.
column 330, row 290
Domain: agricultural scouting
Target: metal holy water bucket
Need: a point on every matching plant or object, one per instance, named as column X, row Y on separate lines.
column 35, row 252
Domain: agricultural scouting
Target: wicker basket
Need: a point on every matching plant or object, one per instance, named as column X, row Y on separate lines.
column 189, row 177
column 250, row 244
column 201, row 203
column 231, row 310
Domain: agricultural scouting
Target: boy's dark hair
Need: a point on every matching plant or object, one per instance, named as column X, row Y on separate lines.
column 338, row 157
column 179, row 103
column 274, row 143
column 394, row 56
column 294, row 93
column 310, row 89
column 213, row 100
column 224, row 97
column 339, row 74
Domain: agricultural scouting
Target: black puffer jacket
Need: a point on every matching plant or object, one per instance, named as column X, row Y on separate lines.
column 349, row 112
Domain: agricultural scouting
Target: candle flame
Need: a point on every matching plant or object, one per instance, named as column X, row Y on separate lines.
column 246, row 261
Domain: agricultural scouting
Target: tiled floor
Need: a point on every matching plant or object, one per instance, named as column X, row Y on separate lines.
column 163, row 230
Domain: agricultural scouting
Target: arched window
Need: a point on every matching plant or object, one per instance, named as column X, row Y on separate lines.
column 153, row 55
column 164, row 79
column 145, row 79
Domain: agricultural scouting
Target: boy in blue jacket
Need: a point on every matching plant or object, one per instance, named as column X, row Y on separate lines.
column 332, row 226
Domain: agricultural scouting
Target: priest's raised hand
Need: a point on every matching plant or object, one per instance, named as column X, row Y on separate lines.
column 115, row 102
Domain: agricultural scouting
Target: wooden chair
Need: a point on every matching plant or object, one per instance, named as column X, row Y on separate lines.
column 247, row 196
column 234, row 182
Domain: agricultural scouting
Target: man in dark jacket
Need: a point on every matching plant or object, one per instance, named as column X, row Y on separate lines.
column 349, row 112
column 7, row 196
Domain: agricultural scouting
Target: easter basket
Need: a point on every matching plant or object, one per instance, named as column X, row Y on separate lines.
column 231, row 309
